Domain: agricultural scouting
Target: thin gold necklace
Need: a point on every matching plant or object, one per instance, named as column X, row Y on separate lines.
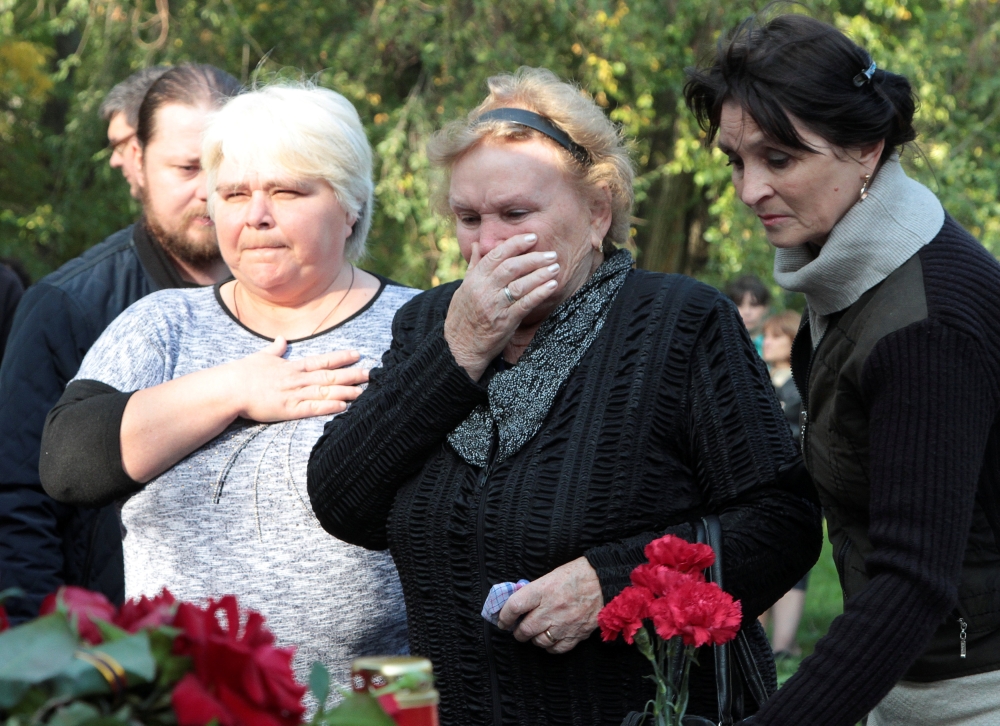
column 236, row 304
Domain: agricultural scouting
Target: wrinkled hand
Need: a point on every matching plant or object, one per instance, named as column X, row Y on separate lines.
column 270, row 388
column 565, row 602
column 481, row 320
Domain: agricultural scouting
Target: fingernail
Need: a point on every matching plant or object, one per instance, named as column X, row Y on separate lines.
column 530, row 237
column 549, row 255
column 554, row 268
column 551, row 283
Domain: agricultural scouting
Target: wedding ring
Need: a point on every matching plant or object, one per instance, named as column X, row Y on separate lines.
column 510, row 297
column 551, row 637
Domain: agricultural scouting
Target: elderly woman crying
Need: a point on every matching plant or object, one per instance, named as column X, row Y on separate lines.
column 547, row 417
column 198, row 408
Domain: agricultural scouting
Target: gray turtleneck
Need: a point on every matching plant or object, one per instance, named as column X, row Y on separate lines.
column 872, row 240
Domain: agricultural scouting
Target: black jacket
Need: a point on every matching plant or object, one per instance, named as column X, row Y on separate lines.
column 902, row 438
column 11, row 291
column 669, row 415
column 44, row 544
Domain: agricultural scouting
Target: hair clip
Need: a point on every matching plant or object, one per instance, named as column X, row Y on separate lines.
column 865, row 76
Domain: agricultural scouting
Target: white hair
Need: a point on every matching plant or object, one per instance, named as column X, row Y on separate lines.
column 302, row 131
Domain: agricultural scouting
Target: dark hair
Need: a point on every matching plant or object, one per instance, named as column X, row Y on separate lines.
column 190, row 84
column 797, row 65
column 748, row 284
column 126, row 97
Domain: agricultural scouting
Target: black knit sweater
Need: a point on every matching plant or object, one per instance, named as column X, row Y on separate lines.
column 931, row 402
column 669, row 415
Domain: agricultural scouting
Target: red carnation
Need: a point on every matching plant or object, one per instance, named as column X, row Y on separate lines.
column 662, row 580
column 135, row 615
column 625, row 613
column 700, row 612
column 679, row 554
column 82, row 607
column 240, row 677
column 4, row 622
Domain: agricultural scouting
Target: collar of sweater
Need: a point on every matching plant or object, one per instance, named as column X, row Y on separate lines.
column 872, row 240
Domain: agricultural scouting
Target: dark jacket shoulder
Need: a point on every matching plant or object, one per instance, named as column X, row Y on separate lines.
column 97, row 286
column 962, row 285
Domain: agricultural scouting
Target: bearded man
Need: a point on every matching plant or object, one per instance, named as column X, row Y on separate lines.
column 44, row 544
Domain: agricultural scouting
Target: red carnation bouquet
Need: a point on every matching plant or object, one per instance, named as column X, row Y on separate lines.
column 157, row 662
column 669, row 611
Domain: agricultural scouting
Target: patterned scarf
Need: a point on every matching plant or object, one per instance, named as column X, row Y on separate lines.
column 521, row 396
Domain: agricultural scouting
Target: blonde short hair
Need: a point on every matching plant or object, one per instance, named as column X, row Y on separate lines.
column 299, row 130
column 540, row 90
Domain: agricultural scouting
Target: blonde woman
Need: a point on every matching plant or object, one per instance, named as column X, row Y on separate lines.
column 547, row 417
column 214, row 397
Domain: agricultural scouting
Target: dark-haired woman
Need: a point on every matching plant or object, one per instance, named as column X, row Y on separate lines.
column 899, row 369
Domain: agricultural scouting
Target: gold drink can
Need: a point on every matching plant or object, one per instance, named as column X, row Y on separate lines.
column 413, row 704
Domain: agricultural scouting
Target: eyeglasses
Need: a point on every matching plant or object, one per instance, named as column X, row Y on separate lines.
column 118, row 147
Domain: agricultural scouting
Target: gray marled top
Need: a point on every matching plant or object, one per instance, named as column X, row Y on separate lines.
column 234, row 516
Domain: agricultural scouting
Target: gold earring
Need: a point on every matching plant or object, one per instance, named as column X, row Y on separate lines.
column 864, row 187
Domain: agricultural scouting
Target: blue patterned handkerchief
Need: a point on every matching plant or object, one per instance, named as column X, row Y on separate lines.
column 498, row 597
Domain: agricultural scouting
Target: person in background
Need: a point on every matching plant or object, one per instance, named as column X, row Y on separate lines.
column 215, row 397
column 898, row 364
column 121, row 110
column 779, row 332
column 753, row 300
column 12, row 286
column 44, row 544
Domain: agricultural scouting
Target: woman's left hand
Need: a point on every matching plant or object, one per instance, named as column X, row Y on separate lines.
column 560, row 609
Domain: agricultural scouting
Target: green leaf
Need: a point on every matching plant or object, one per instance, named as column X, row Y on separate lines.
column 132, row 653
column 319, row 683
column 37, row 650
column 75, row 714
column 109, row 633
column 357, row 709
column 11, row 693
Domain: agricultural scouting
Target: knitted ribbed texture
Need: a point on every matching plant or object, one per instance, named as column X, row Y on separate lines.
column 670, row 413
column 899, row 212
column 933, row 390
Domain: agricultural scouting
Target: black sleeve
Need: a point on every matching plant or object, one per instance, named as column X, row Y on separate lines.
column 48, row 339
column 417, row 396
column 746, row 464
column 932, row 404
column 80, row 460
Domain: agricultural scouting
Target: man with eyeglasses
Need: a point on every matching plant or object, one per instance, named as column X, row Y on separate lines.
column 155, row 129
column 121, row 110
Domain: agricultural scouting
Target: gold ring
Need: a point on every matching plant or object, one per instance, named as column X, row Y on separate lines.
column 551, row 637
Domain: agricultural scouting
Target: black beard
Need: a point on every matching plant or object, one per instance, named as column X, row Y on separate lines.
column 199, row 256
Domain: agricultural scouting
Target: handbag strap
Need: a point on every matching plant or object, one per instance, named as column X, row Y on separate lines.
column 709, row 531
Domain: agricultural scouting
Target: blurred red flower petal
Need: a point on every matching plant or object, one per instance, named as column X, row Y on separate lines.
column 136, row 615
column 195, row 706
column 80, row 606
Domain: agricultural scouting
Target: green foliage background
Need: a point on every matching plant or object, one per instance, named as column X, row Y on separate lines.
column 411, row 65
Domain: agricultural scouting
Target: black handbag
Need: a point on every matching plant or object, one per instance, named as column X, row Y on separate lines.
column 746, row 681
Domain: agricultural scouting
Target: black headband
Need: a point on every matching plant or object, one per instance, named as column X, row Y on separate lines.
column 538, row 123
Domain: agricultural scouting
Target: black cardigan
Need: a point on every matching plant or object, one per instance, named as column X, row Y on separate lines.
column 670, row 414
